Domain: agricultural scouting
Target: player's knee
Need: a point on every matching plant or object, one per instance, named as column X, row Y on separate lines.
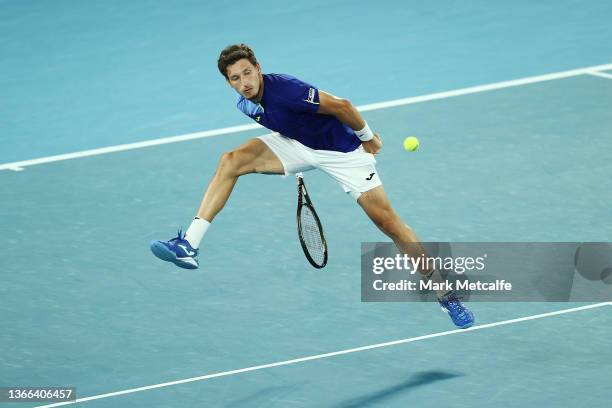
column 388, row 222
column 228, row 163
column 233, row 163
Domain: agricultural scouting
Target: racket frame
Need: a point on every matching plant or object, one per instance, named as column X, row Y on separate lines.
column 304, row 200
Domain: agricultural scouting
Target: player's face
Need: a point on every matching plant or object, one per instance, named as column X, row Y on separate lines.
column 245, row 78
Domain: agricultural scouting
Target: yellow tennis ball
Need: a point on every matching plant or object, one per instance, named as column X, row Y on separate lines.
column 411, row 143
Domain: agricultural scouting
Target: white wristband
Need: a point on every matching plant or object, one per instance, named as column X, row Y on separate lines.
column 365, row 134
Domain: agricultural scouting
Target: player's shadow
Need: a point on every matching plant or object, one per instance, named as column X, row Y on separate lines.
column 417, row 380
column 266, row 397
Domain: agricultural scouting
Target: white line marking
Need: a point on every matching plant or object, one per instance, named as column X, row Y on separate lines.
column 332, row 354
column 485, row 88
column 600, row 74
column 129, row 146
column 364, row 108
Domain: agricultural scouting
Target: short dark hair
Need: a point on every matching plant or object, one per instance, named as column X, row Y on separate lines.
column 233, row 53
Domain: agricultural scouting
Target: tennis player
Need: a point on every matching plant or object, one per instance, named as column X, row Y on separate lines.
column 314, row 130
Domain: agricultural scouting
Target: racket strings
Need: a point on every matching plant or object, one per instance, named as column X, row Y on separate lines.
column 312, row 235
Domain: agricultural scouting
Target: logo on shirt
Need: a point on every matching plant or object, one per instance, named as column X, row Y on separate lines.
column 311, row 96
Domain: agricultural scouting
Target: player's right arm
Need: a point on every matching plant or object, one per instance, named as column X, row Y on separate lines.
column 346, row 113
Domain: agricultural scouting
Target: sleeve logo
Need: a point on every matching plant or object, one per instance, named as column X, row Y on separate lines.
column 311, row 97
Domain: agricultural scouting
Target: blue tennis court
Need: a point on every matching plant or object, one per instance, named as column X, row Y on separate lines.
column 513, row 108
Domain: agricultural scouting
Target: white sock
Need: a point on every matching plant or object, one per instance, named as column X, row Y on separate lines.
column 196, row 231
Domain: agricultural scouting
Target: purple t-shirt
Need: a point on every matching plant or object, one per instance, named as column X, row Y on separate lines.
column 289, row 106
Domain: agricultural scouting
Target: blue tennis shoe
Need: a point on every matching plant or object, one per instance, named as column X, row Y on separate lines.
column 177, row 250
column 461, row 316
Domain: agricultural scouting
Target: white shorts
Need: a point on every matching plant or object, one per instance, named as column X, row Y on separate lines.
column 354, row 171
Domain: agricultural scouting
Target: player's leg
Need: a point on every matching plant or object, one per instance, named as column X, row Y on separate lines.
column 357, row 174
column 377, row 206
column 252, row 157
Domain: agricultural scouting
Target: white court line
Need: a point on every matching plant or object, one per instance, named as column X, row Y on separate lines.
column 326, row 355
column 19, row 165
column 600, row 74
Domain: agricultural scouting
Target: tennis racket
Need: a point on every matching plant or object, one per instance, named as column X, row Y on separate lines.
column 310, row 230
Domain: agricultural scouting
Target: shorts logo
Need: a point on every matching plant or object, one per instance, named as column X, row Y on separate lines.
column 257, row 118
column 370, row 178
column 311, row 96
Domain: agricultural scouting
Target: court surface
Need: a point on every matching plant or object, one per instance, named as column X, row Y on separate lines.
column 84, row 303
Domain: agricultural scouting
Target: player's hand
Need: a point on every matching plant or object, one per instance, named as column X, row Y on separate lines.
column 373, row 146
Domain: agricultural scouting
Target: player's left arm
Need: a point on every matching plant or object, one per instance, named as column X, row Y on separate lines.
column 346, row 113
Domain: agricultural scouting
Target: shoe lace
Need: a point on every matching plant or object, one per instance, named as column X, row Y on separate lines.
column 179, row 236
column 454, row 302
